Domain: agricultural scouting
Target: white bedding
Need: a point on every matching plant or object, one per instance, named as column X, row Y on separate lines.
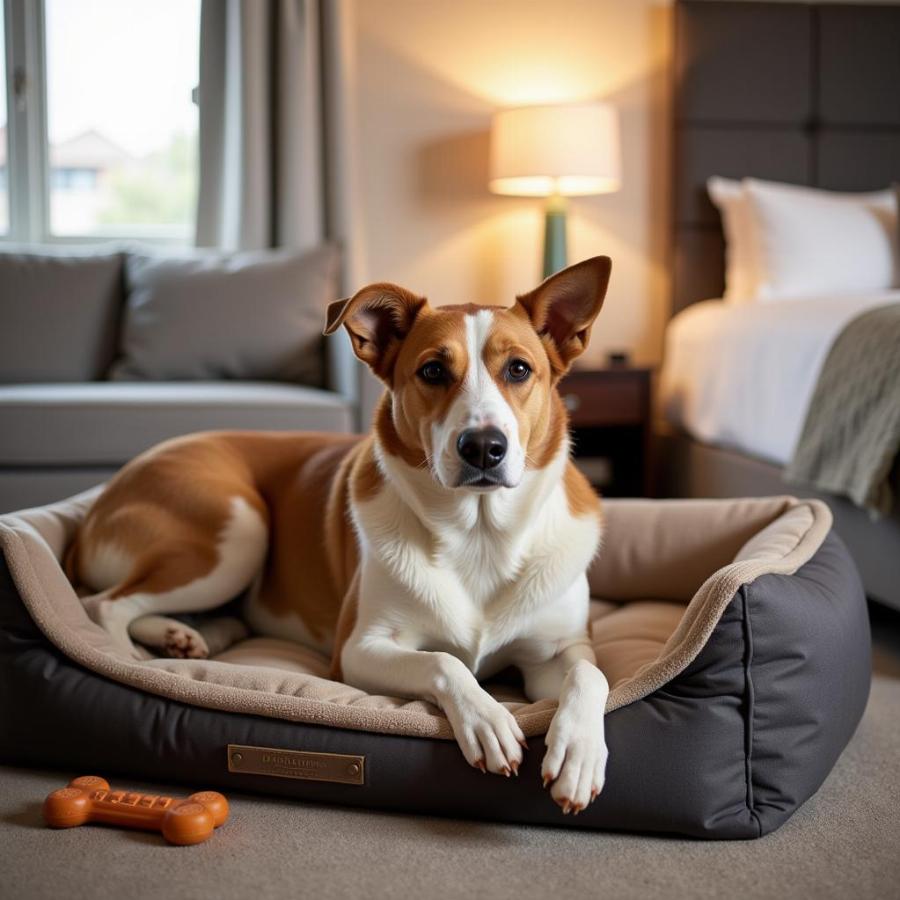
column 742, row 376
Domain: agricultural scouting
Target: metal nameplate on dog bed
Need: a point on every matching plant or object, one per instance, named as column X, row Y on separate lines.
column 304, row 764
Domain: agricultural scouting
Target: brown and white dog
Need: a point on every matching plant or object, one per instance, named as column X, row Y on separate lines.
column 450, row 543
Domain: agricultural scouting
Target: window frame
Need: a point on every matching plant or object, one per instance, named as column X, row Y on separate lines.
column 27, row 159
column 25, row 115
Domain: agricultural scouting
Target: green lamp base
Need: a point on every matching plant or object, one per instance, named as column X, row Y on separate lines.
column 555, row 254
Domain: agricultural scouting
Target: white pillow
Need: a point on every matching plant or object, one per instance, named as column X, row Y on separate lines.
column 806, row 241
column 740, row 265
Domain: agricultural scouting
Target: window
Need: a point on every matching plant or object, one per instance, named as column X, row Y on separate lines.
column 104, row 133
column 66, row 180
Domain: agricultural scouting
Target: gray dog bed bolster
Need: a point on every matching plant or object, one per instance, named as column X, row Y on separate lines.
column 734, row 635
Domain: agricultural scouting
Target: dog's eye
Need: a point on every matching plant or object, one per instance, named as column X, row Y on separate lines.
column 433, row 372
column 518, row 370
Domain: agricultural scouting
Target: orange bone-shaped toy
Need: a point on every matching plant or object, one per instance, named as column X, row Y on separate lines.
column 90, row 799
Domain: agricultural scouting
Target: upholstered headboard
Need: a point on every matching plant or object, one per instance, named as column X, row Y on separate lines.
column 807, row 93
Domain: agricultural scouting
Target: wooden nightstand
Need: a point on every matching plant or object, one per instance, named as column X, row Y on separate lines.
column 609, row 416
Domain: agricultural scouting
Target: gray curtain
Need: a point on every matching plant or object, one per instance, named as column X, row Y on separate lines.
column 276, row 136
column 273, row 120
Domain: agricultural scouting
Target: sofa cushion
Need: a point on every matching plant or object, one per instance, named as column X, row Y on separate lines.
column 59, row 315
column 108, row 423
column 246, row 316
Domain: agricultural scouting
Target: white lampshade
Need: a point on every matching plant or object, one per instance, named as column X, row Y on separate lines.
column 572, row 150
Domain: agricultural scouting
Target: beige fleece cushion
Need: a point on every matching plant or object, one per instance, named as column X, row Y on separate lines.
column 666, row 572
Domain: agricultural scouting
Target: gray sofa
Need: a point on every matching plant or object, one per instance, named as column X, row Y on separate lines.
column 103, row 354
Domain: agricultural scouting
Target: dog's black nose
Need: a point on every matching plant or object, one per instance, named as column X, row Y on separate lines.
column 483, row 448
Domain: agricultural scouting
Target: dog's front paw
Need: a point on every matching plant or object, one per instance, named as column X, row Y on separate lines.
column 575, row 763
column 183, row 642
column 488, row 734
column 574, row 766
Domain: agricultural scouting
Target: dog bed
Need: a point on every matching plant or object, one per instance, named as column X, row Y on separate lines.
column 734, row 635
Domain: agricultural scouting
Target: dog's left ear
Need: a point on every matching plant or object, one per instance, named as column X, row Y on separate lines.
column 377, row 318
column 564, row 306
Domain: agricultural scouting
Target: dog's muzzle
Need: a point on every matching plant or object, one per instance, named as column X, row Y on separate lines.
column 481, row 450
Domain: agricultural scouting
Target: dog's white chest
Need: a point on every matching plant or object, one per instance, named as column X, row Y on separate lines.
column 484, row 560
column 489, row 590
column 516, row 623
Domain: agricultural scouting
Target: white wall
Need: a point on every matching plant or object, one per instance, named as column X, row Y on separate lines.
column 429, row 74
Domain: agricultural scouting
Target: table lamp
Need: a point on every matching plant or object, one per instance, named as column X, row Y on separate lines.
column 555, row 152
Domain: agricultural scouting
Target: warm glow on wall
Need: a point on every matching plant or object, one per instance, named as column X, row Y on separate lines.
column 503, row 82
column 515, row 52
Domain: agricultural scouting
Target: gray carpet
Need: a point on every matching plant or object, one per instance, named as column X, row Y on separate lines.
column 845, row 842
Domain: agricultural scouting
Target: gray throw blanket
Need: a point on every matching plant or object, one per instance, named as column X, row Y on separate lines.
column 851, row 436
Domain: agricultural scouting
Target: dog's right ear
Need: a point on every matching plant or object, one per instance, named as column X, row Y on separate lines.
column 377, row 318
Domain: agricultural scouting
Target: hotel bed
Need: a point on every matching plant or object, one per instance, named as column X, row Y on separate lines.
column 774, row 92
column 742, row 377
